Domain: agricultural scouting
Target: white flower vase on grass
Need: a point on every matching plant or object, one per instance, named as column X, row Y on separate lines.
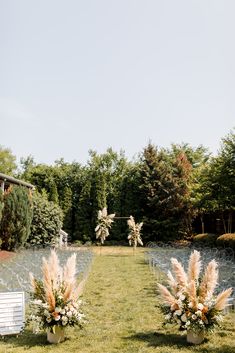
column 56, row 335
column 195, row 337
column 190, row 301
column 55, row 300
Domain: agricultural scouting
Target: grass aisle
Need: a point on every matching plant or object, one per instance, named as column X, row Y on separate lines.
column 121, row 307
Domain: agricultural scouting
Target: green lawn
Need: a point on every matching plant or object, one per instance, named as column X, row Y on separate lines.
column 120, row 303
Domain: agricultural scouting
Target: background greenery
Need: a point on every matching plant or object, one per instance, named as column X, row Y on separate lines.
column 176, row 192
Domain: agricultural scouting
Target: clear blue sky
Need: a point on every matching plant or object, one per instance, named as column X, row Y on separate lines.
column 79, row 75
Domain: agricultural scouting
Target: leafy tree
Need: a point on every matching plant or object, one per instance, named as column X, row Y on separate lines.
column 16, row 217
column 46, row 222
column 84, row 224
column 222, row 181
column 7, row 161
column 1, row 203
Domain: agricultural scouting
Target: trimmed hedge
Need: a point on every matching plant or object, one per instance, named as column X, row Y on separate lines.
column 46, row 222
column 226, row 240
column 208, row 239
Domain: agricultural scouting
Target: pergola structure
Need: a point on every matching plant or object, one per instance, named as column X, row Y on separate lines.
column 6, row 181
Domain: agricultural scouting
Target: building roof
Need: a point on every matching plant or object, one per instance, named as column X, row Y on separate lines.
column 12, row 180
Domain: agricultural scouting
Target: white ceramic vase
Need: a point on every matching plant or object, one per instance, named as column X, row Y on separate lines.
column 56, row 336
column 195, row 337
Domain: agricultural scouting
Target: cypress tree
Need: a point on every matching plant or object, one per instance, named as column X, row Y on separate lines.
column 16, row 217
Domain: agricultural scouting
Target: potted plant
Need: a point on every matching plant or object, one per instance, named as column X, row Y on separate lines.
column 190, row 301
column 55, row 303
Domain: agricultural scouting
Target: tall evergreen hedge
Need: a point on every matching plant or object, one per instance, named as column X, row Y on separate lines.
column 16, row 217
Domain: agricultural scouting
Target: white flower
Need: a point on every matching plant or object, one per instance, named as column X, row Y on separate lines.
column 57, row 318
column 178, row 312
column 57, row 310
column 198, row 313
column 62, row 311
column 64, row 320
column 184, row 318
column 48, row 319
column 168, row 317
column 190, row 305
column 188, row 323
column 200, row 306
column 37, row 301
column 194, row 317
column 69, row 314
column 182, row 297
column 201, row 323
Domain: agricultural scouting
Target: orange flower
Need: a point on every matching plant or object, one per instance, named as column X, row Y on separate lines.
column 55, row 315
column 205, row 310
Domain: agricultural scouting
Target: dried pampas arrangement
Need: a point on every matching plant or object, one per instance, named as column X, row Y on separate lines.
column 190, row 300
column 134, row 233
column 104, row 224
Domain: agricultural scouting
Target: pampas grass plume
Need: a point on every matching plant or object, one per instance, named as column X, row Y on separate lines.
column 70, row 269
column 172, row 282
column 194, row 266
column 209, row 281
column 32, row 281
column 167, row 297
column 179, row 272
column 221, row 300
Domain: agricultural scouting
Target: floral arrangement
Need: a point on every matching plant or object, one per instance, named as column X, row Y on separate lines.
column 104, row 224
column 134, row 234
column 55, row 298
column 190, row 301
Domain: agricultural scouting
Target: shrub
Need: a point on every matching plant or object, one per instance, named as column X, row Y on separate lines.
column 47, row 221
column 207, row 239
column 1, row 203
column 226, row 240
column 16, row 217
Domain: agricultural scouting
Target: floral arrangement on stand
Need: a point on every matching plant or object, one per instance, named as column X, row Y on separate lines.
column 104, row 224
column 134, row 236
column 190, row 301
column 55, row 302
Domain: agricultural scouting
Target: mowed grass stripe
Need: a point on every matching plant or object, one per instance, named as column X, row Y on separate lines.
column 120, row 305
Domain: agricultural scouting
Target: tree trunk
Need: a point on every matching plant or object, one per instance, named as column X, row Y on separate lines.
column 202, row 223
column 230, row 221
column 224, row 223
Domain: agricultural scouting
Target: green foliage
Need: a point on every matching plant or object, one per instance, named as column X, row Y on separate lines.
column 46, row 222
column 166, row 188
column 226, row 240
column 165, row 193
column 7, row 161
column 207, row 239
column 1, row 203
column 16, row 217
column 220, row 181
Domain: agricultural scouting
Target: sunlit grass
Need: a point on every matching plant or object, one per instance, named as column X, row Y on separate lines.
column 120, row 303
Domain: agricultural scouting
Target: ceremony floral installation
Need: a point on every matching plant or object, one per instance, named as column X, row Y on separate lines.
column 104, row 224
column 190, row 301
column 55, row 299
column 134, row 236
